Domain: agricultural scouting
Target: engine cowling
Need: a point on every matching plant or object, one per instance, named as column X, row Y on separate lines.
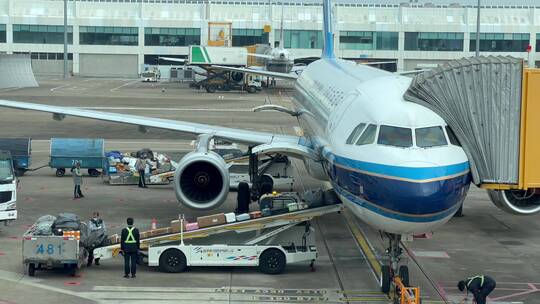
column 201, row 180
column 520, row 202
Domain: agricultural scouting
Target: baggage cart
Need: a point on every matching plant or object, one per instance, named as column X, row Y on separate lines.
column 89, row 152
column 20, row 149
column 46, row 252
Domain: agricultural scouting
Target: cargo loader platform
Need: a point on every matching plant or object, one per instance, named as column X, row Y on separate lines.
column 169, row 252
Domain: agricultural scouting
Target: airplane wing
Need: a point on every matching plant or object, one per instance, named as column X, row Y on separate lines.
column 173, row 59
column 236, row 135
column 292, row 76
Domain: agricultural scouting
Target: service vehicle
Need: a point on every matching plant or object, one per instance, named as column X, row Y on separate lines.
column 8, row 189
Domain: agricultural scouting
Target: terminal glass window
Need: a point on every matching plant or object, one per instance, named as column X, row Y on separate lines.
column 42, row 34
column 303, row 39
column 161, row 36
column 108, row 35
column 395, row 136
column 500, row 42
column 432, row 41
column 244, row 37
column 537, row 43
column 355, row 134
column 386, row 40
column 430, row 137
column 368, row 136
column 2, row 33
column 355, row 40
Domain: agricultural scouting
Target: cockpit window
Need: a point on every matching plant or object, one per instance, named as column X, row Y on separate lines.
column 430, row 137
column 452, row 137
column 395, row 136
column 368, row 136
column 355, row 134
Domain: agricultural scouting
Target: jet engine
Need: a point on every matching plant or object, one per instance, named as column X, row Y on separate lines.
column 520, row 202
column 201, row 180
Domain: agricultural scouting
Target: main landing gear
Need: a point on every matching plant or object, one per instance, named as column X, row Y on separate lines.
column 392, row 269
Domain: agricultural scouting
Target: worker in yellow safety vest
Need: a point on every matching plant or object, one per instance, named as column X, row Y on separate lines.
column 130, row 244
column 480, row 286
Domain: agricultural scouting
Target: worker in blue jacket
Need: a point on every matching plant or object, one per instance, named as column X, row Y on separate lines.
column 480, row 286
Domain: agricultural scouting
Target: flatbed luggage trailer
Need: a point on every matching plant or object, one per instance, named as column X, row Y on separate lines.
column 261, row 250
column 46, row 252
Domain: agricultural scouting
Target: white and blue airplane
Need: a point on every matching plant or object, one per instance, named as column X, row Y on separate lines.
column 395, row 164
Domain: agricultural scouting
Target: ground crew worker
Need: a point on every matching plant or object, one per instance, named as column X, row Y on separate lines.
column 95, row 224
column 141, row 164
column 130, row 243
column 77, row 180
column 480, row 286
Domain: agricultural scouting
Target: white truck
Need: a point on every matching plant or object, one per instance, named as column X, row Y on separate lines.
column 8, row 189
column 151, row 75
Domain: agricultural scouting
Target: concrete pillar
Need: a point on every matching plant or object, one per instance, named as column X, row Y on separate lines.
column 466, row 41
column 76, row 63
column 140, row 56
column 401, row 47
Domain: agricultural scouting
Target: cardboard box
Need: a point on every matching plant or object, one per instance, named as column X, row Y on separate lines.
column 242, row 217
column 175, row 226
column 255, row 214
column 114, row 239
column 230, row 217
column 192, row 226
column 211, row 220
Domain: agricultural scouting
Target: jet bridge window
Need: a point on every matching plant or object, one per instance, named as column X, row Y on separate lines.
column 395, row 136
column 355, row 134
column 430, row 137
column 368, row 137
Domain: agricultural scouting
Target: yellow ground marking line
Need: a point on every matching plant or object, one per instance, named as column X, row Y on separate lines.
column 364, row 246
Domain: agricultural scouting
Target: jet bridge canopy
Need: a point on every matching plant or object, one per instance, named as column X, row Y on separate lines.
column 484, row 101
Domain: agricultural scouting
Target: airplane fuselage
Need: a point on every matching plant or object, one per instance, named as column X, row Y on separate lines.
column 403, row 175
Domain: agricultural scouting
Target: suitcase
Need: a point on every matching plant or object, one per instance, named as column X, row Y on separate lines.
column 230, row 217
column 292, row 207
column 211, row 220
column 255, row 214
column 302, row 206
column 266, row 212
column 266, row 201
column 280, row 211
column 192, row 226
column 242, row 217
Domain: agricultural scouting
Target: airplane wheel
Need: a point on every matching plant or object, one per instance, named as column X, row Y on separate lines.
column 31, row 269
column 404, row 275
column 211, row 89
column 172, row 261
column 272, row 261
column 385, row 279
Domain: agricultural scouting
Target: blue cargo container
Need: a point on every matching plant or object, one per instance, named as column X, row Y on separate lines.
column 89, row 152
column 20, row 149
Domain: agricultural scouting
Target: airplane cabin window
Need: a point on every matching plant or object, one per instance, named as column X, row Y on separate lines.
column 452, row 137
column 368, row 136
column 355, row 134
column 430, row 137
column 395, row 136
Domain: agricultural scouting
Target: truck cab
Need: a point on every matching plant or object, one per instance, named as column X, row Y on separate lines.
column 8, row 189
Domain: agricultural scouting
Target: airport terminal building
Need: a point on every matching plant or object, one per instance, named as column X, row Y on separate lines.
column 116, row 38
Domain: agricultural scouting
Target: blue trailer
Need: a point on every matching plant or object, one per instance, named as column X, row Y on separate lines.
column 21, row 152
column 89, row 152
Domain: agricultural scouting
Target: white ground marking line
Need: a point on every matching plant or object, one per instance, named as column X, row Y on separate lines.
column 9, row 90
column 125, row 84
column 166, row 109
column 21, row 279
column 60, row 87
column 109, row 141
column 127, row 148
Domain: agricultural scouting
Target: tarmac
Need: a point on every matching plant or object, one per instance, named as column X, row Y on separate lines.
column 486, row 240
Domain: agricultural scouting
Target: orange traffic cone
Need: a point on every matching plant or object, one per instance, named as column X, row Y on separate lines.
column 154, row 224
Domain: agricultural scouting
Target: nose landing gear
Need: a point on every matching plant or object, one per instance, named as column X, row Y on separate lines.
column 397, row 276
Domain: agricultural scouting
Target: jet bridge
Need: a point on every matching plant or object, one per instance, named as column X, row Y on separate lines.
column 492, row 104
